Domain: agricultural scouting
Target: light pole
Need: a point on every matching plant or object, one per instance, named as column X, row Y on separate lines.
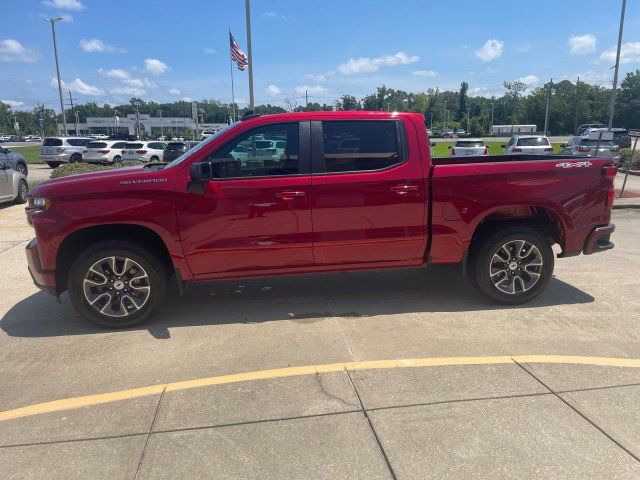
column 55, row 52
column 137, row 105
column 615, row 74
column 161, row 128
column 248, row 18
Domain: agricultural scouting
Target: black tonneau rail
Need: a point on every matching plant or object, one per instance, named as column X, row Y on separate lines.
column 503, row 158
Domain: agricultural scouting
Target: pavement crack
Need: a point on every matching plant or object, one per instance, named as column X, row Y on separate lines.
column 584, row 416
column 335, row 320
column 146, row 442
column 373, row 430
column 324, row 390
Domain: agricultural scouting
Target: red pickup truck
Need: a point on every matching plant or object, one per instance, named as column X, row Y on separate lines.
column 312, row 192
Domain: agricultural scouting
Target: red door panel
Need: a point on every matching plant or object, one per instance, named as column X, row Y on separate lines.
column 371, row 216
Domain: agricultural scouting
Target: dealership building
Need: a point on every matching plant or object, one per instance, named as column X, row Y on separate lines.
column 127, row 125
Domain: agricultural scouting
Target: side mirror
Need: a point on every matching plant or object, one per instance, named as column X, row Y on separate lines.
column 503, row 146
column 201, row 172
column 433, row 144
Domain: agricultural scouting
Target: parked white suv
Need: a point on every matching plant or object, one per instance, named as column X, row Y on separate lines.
column 528, row 144
column 109, row 151
column 469, row 147
column 143, row 151
column 57, row 150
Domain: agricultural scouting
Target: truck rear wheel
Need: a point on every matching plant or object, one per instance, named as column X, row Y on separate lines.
column 512, row 266
column 117, row 284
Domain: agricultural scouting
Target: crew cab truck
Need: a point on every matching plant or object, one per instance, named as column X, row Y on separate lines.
column 338, row 191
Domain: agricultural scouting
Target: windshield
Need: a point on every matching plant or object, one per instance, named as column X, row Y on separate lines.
column 533, row 142
column 202, row 144
column 470, row 143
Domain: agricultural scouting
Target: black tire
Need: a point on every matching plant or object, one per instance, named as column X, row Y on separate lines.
column 22, row 168
column 481, row 265
column 75, row 158
column 23, row 190
column 53, row 164
column 117, row 159
column 144, row 258
column 154, row 159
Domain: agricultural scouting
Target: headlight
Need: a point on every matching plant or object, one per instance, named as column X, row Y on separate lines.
column 39, row 203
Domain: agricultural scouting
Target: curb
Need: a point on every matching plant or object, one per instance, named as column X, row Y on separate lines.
column 623, row 206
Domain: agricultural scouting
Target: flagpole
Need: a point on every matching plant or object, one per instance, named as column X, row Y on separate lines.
column 248, row 16
column 233, row 95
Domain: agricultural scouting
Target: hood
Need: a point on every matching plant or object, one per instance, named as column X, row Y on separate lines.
column 112, row 180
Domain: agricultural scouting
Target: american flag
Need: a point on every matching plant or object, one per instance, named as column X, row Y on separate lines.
column 237, row 55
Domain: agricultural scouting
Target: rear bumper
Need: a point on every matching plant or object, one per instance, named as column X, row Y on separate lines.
column 45, row 280
column 599, row 239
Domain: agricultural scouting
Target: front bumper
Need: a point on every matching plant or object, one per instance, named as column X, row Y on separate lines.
column 599, row 240
column 45, row 280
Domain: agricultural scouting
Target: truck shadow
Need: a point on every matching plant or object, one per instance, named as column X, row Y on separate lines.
column 301, row 299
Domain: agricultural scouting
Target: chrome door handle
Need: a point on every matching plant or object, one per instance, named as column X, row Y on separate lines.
column 404, row 189
column 290, row 195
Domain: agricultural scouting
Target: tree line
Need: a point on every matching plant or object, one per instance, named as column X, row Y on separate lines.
column 571, row 104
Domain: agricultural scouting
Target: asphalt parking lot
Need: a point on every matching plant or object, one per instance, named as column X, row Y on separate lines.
column 382, row 374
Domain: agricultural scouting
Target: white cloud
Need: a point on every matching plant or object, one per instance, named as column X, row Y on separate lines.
column 629, row 53
column 155, row 66
column 321, row 77
column 28, row 81
column 66, row 17
column 187, row 99
column 174, row 91
column 95, row 45
column 369, row 65
column 313, row 89
column 13, row 51
column 425, row 73
column 139, row 82
column 491, row 50
column 128, row 91
column 64, row 4
column 273, row 15
column 115, row 73
column 273, row 90
column 78, row 86
column 524, row 48
column 210, row 51
column 530, row 80
column 12, row 103
column 582, row 44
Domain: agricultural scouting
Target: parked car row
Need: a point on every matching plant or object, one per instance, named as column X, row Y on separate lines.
column 57, row 150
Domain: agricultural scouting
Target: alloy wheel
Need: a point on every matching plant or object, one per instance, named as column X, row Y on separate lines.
column 116, row 286
column 516, row 267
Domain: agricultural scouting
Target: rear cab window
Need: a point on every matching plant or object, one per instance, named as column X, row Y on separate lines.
column 362, row 145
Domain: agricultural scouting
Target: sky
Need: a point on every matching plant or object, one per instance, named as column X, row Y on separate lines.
column 165, row 50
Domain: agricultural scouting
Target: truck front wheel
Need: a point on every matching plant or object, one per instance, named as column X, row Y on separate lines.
column 116, row 283
column 512, row 266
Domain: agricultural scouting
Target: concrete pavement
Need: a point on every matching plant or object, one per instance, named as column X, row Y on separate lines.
column 507, row 420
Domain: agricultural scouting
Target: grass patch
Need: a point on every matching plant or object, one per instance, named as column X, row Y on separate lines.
column 31, row 154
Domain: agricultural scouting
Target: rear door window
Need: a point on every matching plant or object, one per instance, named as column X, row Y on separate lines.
column 352, row 146
column 78, row 142
column 52, row 142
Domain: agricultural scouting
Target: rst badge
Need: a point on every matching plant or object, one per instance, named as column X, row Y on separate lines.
column 585, row 164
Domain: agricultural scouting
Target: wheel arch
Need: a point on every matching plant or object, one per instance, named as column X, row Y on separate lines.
column 80, row 239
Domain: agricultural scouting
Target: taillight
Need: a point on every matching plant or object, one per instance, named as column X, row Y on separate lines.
column 614, row 149
column 583, row 149
column 517, row 150
column 103, row 151
column 550, row 149
column 453, row 151
column 486, row 151
column 60, row 150
column 85, row 151
column 609, row 173
column 142, row 152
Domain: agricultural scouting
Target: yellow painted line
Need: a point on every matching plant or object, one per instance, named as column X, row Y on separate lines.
column 78, row 402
